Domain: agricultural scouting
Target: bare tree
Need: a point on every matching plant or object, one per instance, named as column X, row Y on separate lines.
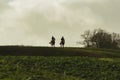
column 87, row 37
column 99, row 38
column 115, row 39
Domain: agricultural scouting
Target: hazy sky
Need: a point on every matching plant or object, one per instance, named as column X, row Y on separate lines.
column 33, row 22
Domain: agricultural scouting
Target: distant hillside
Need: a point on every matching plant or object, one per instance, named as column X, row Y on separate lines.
column 48, row 51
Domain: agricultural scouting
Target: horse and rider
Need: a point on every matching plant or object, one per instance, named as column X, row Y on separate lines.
column 52, row 42
column 62, row 43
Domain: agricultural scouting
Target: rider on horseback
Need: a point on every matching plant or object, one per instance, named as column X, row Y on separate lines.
column 52, row 42
column 62, row 43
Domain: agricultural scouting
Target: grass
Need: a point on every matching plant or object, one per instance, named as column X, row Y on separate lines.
column 58, row 68
column 45, row 63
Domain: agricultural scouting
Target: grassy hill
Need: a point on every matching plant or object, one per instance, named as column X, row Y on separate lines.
column 48, row 51
column 46, row 63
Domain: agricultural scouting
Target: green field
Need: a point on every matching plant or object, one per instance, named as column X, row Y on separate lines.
column 59, row 63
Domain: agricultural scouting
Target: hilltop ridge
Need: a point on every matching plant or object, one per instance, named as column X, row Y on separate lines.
column 57, row 51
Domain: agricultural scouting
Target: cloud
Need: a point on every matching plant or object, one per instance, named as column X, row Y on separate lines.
column 109, row 13
column 33, row 22
column 3, row 5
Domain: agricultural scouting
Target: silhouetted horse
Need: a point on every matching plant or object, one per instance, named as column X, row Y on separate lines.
column 62, row 43
column 52, row 42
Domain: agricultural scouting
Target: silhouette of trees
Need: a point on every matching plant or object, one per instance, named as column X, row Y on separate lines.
column 87, row 37
column 99, row 38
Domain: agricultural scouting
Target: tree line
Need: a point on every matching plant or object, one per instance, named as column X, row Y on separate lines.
column 99, row 38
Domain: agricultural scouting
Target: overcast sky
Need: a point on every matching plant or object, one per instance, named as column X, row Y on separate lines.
column 33, row 22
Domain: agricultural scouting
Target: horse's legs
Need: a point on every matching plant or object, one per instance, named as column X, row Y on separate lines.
column 61, row 45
